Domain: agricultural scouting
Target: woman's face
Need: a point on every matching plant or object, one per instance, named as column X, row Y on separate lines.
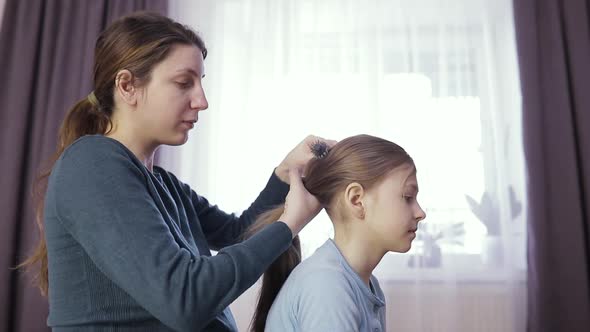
column 170, row 103
column 392, row 210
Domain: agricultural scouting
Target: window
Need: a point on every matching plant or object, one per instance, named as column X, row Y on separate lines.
column 439, row 78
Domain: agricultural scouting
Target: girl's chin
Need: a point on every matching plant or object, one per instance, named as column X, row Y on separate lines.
column 402, row 248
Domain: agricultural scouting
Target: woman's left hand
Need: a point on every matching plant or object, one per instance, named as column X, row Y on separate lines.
column 299, row 156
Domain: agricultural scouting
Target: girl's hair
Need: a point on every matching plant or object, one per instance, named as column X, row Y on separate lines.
column 363, row 159
column 137, row 42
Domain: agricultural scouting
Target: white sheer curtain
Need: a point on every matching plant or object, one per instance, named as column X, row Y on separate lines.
column 438, row 77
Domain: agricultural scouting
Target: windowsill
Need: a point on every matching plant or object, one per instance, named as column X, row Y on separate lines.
column 456, row 268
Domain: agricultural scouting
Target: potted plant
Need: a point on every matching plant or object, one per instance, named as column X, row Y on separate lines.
column 431, row 238
column 487, row 211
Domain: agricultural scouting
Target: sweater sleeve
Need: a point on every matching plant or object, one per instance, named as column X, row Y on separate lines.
column 222, row 229
column 100, row 197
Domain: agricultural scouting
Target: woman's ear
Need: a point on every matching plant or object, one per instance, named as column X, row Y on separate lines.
column 125, row 88
column 353, row 199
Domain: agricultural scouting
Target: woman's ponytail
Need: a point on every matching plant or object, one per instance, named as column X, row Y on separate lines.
column 85, row 118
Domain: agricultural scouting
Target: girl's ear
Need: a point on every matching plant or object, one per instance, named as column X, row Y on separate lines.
column 353, row 200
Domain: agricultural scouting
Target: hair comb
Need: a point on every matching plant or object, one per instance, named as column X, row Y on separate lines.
column 319, row 149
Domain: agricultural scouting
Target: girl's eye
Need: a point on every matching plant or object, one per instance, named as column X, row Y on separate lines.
column 408, row 198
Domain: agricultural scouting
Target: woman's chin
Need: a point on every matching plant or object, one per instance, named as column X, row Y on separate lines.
column 178, row 139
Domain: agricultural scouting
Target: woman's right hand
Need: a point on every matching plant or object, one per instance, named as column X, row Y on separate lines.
column 300, row 206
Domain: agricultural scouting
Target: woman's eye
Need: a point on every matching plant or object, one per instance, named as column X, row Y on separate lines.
column 408, row 198
column 184, row 85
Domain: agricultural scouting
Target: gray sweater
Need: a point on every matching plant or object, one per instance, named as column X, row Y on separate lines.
column 129, row 250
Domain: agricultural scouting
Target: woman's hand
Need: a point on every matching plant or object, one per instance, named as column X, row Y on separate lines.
column 300, row 206
column 299, row 157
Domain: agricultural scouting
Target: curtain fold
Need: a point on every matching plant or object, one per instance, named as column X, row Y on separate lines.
column 553, row 39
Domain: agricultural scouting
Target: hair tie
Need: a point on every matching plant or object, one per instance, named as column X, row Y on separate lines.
column 92, row 99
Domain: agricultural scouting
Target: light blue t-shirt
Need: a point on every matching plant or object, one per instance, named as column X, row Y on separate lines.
column 324, row 293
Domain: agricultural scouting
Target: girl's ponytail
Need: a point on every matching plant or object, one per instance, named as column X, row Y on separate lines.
column 276, row 275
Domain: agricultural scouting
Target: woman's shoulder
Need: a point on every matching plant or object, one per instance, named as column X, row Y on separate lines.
column 96, row 156
column 93, row 145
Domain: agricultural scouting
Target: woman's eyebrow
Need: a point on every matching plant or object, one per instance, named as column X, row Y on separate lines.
column 190, row 71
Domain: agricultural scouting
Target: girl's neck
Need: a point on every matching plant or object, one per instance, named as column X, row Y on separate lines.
column 360, row 254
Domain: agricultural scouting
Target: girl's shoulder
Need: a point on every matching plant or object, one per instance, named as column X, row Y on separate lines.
column 322, row 267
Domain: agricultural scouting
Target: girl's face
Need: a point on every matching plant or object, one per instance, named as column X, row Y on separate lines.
column 392, row 210
column 170, row 103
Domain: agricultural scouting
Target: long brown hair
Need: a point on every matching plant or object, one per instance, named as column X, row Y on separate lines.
column 363, row 159
column 136, row 42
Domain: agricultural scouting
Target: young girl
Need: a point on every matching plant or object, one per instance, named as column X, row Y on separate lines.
column 126, row 245
column 368, row 187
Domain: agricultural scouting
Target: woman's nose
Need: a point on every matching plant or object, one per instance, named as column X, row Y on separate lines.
column 199, row 100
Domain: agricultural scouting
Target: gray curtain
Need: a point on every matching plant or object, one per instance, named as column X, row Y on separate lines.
column 46, row 57
column 553, row 40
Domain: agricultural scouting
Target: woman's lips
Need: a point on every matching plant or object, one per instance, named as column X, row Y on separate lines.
column 189, row 124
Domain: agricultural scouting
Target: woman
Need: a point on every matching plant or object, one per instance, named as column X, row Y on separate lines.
column 368, row 187
column 126, row 244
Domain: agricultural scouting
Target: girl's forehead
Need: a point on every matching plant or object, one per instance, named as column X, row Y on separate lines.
column 402, row 176
column 405, row 172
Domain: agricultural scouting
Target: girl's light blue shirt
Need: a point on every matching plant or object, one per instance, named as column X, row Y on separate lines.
column 324, row 293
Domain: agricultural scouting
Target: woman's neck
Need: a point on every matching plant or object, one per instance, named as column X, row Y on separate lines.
column 144, row 153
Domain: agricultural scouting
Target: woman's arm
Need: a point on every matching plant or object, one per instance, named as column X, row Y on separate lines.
column 222, row 229
column 99, row 195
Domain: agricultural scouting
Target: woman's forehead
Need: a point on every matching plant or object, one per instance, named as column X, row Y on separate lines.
column 184, row 59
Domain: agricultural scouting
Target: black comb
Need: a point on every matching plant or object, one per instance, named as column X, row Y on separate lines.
column 319, row 149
